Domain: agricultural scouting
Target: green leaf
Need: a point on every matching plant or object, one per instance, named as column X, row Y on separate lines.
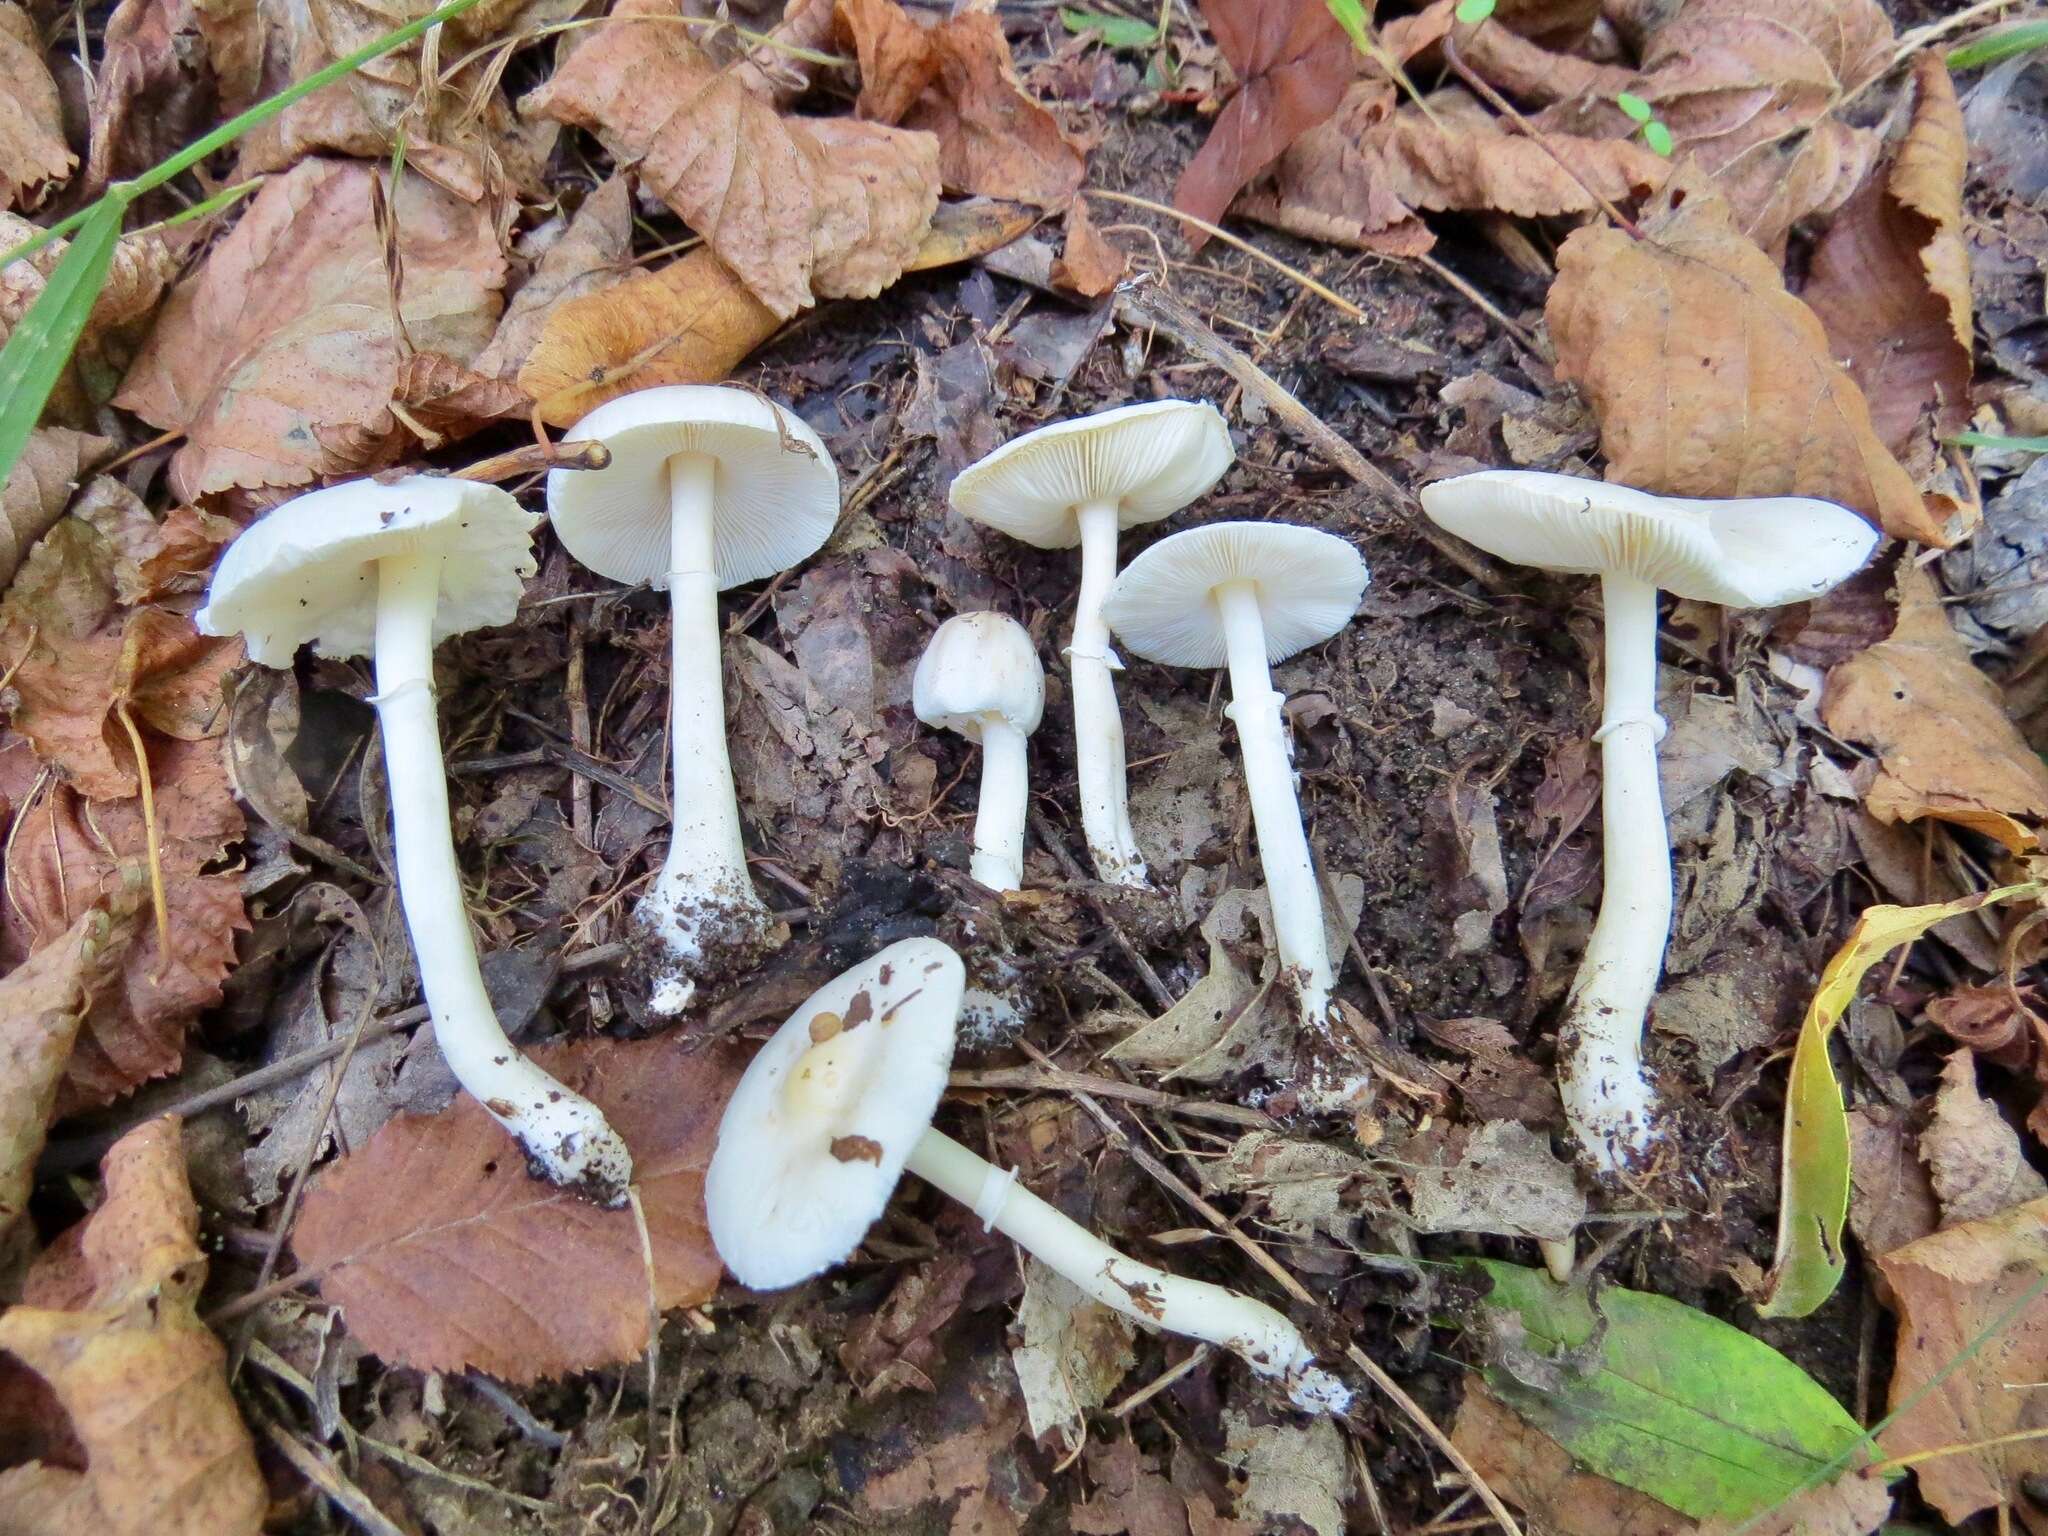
column 1473, row 12
column 1351, row 16
column 1658, row 137
column 2002, row 43
column 1993, row 440
column 1637, row 109
column 1814, row 1187
column 34, row 357
column 1676, row 1404
column 1117, row 31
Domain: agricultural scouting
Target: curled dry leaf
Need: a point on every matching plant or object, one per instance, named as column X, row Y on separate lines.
column 1972, row 1152
column 798, row 209
column 284, row 340
column 40, row 486
column 108, row 1320
column 434, row 401
column 1071, row 1354
column 1363, row 177
column 1945, row 745
column 1961, row 1350
column 147, row 100
column 43, row 1001
column 1707, row 377
column 1293, row 62
column 1087, row 264
column 477, row 1265
column 1891, row 281
column 590, row 255
column 33, row 153
column 955, row 80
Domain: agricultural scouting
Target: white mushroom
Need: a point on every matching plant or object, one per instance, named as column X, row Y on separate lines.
column 707, row 488
column 1248, row 595
column 1083, row 482
column 388, row 570
column 980, row 676
column 1754, row 553
column 839, row 1103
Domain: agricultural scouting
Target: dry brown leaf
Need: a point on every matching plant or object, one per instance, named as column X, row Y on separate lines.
column 148, row 99
column 434, row 401
column 285, row 337
column 143, row 264
column 591, row 255
column 1070, row 1355
column 33, row 154
column 1972, row 1151
column 1891, row 281
column 1954, row 1293
column 1945, row 746
column 898, row 1344
column 1891, row 1198
column 108, row 1320
column 480, row 1266
column 43, row 1001
column 1529, row 1469
column 39, row 487
column 1707, row 377
column 1132, row 1497
column 955, row 80
column 1363, row 177
column 1293, row 62
column 1087, row 263
column 76, row 648
column 798, row 209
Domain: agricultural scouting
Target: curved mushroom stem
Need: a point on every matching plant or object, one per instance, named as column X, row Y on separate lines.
column 701, row 907
column 565, row 1136
column 999, row 815
column 1251, row 1330
column 1607, row 1100
column 1098, row 726
column 1291, row 887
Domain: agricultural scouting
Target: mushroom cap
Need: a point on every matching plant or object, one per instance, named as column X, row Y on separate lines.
column 308, row 570
column 979, row 666
column 1307, row 582
column 799, row 1177
column 1745, row 552
column 775, row 498
column 1151, row 459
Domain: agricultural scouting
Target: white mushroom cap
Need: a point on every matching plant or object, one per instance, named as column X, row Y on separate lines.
column 1151, row 459
column 814, row 1138
column 979, row 666
column 1308, row 584
column 308, row 570
column 775, row 499
column 1748, row 552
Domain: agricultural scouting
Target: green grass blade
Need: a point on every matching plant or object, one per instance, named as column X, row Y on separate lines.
column 36, row 353
column 2024, row 37
column 2005, row 444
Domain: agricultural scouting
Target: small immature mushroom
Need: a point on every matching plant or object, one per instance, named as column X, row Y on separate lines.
column 838, row 1104
column 1250, row 594
column 1759, row 552
column 980, row 677
column 388, row 570
column 707, row 488
column 1083, row 482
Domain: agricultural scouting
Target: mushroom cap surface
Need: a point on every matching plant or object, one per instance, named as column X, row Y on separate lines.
column 307, row 571
column 799, row 1177
column 1151, row 459
column 1744, row 552
column 775, row 493
column 1307, row 583
column 979, row 666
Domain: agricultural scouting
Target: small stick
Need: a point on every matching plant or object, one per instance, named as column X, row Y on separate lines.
column 534, row 458
column 1072, row 871
column 1053, row 1080
column 318, row 1468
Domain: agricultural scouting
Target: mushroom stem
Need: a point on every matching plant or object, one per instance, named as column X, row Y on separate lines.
column 703, row 897
column 1607, row 1100
column 999, row 816
column 1251, row 1330
column 1098, row 725
column 565, row 1136
column 1291, row 886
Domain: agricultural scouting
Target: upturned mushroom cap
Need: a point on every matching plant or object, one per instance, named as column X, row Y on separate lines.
column 1307, row 582
column 308, row 570
column 1748, row 552
column 1151, row 459
column 816, row 1135
column 978, row 667
column 775, row 499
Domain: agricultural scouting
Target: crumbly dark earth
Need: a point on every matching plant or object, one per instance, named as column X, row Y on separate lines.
column 780, row 1414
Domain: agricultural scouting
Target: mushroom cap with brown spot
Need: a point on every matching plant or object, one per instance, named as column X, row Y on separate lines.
column 798, row 1178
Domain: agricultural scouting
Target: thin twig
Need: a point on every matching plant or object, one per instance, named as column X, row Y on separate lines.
column 1055, row 845
column 1054, row 1080
column 318, row 1468
column 533, row 458
column 1328, row 295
